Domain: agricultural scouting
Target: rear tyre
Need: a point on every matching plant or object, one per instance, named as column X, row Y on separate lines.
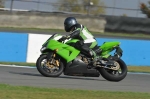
column 47, row 69
column 115, row 75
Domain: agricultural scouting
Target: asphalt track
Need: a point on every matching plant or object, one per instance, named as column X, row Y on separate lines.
column 24, row 76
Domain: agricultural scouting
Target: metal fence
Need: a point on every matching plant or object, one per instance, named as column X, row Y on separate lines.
column 111, row 7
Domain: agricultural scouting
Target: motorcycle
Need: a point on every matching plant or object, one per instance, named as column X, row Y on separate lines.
column 59, row 56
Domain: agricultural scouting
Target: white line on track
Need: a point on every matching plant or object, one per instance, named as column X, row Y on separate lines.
column 16, row 66
column 138, row 73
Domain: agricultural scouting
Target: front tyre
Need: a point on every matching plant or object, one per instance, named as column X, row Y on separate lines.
column 115, row 75
column 49, row 68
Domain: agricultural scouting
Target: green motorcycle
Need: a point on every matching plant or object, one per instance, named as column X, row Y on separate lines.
column 59, row 57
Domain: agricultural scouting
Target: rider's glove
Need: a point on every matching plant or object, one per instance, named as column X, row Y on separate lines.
column 67, row 37
column 64, row 38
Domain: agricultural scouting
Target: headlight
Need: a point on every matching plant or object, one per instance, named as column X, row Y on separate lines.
column 42, row 49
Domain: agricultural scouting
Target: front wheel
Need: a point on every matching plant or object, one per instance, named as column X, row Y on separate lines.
column 115, row 74
column 49, row 68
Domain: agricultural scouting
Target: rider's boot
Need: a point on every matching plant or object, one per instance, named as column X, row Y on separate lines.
column 95, row 58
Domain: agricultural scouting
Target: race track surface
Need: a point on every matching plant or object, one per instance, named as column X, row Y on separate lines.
column 31, row 77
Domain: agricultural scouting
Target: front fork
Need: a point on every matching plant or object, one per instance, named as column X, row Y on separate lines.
column 51, row 58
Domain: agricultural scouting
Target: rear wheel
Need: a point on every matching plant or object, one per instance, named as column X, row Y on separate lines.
column 115, row 73
column 49, row 68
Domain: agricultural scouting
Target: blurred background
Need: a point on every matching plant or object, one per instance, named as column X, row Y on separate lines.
column 129, row 8
column 125, row 20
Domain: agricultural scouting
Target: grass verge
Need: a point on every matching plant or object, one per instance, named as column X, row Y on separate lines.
column 24, row 92
column 30, row 29
column 143, row 69
column 135, row 35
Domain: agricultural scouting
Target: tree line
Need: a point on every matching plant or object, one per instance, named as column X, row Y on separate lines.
column 94, row 7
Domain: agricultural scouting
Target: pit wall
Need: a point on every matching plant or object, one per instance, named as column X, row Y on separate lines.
column 25, row 47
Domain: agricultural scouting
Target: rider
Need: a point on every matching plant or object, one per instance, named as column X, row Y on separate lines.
column 78, row 31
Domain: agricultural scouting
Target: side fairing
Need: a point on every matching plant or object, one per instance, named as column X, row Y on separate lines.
column 67, row 52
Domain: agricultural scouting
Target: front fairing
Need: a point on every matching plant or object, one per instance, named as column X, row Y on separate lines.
column 54, row 36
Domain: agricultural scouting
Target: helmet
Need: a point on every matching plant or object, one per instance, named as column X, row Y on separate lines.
column 69, row 23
